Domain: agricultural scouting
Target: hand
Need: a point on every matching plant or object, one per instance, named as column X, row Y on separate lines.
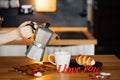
column 24, row 30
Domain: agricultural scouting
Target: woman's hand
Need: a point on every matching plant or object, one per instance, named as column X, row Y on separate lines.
column 24, row 30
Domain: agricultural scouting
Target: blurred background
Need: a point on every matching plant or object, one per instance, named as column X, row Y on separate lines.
column 101, row 17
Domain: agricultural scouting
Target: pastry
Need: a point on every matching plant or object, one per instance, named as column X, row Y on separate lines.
column 85, row 60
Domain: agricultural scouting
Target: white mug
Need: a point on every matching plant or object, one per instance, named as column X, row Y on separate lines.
column 62, row 60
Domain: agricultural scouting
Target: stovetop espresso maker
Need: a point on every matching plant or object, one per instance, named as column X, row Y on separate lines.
column 42, row 36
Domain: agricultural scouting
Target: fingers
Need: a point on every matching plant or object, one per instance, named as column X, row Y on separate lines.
column 25, row 23
column 26, row 31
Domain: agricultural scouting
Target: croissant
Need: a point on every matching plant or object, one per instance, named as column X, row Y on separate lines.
column 85, row 60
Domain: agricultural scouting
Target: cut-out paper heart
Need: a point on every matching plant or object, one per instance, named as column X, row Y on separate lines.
column 37, row 74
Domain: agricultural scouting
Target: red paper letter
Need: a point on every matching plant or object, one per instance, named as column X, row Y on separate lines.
column 59, row 68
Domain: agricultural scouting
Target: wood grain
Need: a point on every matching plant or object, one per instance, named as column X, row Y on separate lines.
column 110, row 64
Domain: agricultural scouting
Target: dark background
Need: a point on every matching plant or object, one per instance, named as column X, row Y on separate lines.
column 106, row 20
column 67, row 14
column 106, row 27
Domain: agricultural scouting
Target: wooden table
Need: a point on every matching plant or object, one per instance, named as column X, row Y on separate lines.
column 110, row 64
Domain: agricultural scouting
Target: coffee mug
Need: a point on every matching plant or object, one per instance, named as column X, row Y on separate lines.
column 62, row 60
column 26, row 9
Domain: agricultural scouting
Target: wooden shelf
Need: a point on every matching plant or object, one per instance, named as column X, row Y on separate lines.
column 90, row 38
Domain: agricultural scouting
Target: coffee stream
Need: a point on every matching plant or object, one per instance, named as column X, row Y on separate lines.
column 58, row 38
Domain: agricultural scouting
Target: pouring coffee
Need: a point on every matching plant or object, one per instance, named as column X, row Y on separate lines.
column 42, row 36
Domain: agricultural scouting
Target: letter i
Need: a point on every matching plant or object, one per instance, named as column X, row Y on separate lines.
column 59, row 68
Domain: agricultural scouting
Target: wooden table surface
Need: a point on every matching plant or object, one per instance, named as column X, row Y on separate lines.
column 111, row 64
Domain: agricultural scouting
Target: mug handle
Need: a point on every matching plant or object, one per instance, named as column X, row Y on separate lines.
column 50, row 59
